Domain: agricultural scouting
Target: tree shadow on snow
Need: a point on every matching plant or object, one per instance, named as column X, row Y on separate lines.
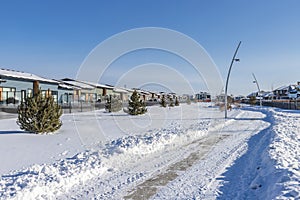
column 14, row 132
column 254, row 118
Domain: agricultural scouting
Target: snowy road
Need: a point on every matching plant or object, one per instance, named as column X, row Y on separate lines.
column 252, row 155
column 177, row 169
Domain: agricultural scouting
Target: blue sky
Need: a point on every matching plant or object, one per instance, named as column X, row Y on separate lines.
column 52, row 38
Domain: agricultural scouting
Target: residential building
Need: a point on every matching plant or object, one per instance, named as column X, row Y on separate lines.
column 82, row 92
column 287, row 92
column 15, row 86
column 203, row 96
column 100, row 90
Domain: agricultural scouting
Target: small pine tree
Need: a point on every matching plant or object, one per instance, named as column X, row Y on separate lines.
column 230, row 101
column 188, row 101
column 136, row 106
column 113, row 104
column 39, row 114
column 171, row 102
column 252, row 100
column 163, row 101
column 176, row 102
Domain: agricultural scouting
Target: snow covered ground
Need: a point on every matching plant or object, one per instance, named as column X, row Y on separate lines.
column 187, row 152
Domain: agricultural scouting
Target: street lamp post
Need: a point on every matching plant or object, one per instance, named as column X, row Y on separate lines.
column 226, row 86
column 255, row 81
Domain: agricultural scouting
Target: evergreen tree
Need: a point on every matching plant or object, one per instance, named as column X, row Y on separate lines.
column 113, row 104
column 176, row 102
column 171, row 102
column 39, row 114
column 188, row 101
column 136, row 106
column 230, row 101
column 252, row 100
column 163, row 101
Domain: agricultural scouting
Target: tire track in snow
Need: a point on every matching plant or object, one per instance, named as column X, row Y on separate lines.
column 149, row 187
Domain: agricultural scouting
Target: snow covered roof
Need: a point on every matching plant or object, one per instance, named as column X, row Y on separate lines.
column 24, row 75
column 253, row 94
column 120, row 90
column 128, row 90
column 143, row 92
column 98, row 85
column 68, row 87
column 269, row 94
column 77, row 84
column 282, row 88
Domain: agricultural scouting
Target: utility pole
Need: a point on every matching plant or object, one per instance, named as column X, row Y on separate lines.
column 226, row 86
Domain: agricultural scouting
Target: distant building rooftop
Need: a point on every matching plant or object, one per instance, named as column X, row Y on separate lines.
column 24, row 75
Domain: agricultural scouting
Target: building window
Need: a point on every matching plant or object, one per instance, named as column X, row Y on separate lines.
column 55, row 95
column 8, row 95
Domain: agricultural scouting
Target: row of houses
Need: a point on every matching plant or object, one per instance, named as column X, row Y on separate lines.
column 284, row 92
column 15, row 86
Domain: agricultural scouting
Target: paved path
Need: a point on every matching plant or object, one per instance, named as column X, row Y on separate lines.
column 149, row 187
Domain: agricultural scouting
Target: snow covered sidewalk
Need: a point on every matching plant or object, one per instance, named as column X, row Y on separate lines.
column 269, row 169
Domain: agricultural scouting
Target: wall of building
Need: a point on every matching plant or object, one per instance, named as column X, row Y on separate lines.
column 15, row 90
column 65, row 96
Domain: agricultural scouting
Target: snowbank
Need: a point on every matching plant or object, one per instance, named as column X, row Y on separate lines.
column 47, row 181
column 285, row 151
column 269, row 168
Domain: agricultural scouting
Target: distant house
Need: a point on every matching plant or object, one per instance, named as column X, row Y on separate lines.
column 122, row 93
column 146, row 96
column 100, row 90
column 298, row 89
column 15, row 86
column 154, row 96
column 239, row 98
column 281, row 92
column 253, row 94
column 261, row 95
column 294, row 91
column 109, row 90
column 203, row 96
column 66, row 93
column 82, row 92
column 172, row 95
column 161, row 95
column 287, row 92
column 268, row 96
